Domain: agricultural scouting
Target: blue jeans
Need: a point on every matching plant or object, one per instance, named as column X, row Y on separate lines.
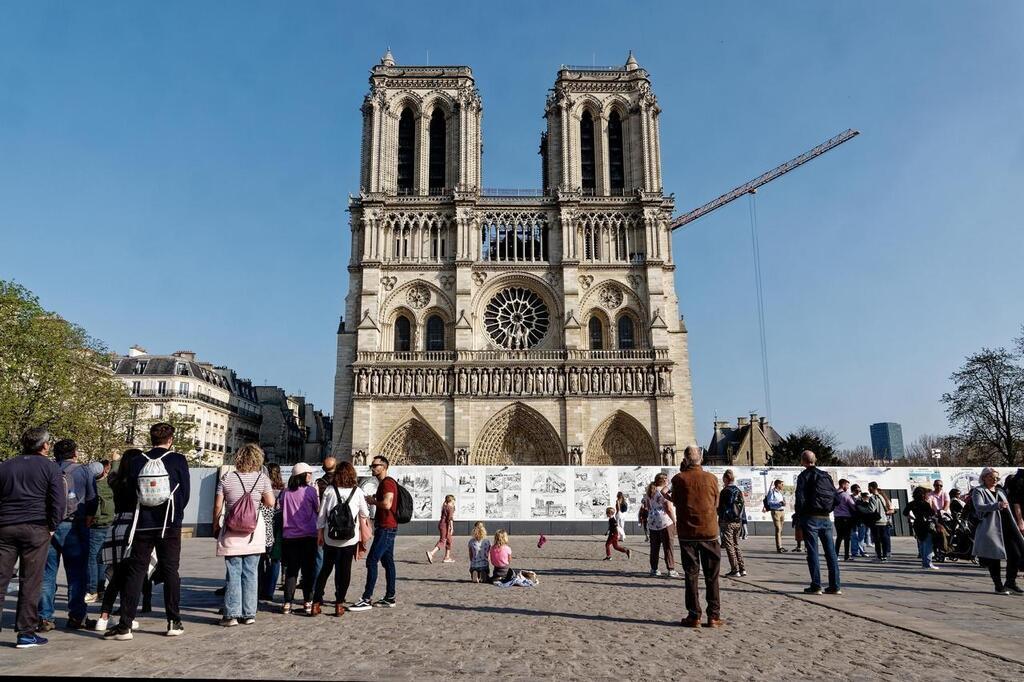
column 926, row 550
column 856, row 549
column 820, row 528
column 241, row 589
column 319, row 560
column 71, row 542
column 95, row 560
column 270, row 572
column 865, row 535
column 381, row 551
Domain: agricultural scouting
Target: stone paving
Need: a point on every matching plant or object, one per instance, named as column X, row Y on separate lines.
column 587, row 619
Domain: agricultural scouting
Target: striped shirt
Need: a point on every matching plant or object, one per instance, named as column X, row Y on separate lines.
column 230, row 486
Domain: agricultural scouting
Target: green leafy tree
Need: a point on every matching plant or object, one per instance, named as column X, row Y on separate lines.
column 53, row 374
column 819, row 441
column 185, row 430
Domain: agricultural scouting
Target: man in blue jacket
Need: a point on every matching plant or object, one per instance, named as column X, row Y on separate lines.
column 157, row 528
column 32, row 500
column 70, row 541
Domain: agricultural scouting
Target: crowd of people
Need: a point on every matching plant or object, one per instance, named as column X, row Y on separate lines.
column 118, row 529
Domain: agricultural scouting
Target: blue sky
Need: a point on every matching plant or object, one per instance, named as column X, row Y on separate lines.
column 154, row 155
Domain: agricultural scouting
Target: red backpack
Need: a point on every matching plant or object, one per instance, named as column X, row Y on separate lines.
column 242, row 517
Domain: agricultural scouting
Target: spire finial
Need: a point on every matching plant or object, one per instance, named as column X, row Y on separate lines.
column 631, row 64
column 388, row 59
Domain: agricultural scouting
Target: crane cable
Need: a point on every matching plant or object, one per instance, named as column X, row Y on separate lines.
column 759, row 287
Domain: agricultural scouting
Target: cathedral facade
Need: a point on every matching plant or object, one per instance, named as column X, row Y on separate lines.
column 501, row 327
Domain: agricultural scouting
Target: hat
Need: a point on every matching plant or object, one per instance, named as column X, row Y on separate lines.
column 989, row 470
column 301, row 468
column 96, row 468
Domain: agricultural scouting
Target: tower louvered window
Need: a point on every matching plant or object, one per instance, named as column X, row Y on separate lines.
column 406, row 151
column 588, row 175
column 437, row 151
column 616, row 168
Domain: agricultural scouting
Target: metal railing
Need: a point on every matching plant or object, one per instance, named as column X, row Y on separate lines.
column 506, row 192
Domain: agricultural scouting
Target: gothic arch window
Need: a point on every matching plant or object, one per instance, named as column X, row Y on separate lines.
column 414, row 442
column 627, row 333
column 403, row 334
column 437, row 152
column 435, row 333
column 596, row 332
column 616, row 167
column 406, row 150
column 588, row 167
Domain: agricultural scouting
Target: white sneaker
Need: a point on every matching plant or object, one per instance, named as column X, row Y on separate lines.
column 673, row 574
column 136, row 625
column 90, row 597
column 655, row 573
column 101, row 624
column 934, row 567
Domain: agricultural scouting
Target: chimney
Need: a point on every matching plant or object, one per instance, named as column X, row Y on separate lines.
column 721, row 425
column 741, row 421
column 135, row 351
column 185, row 355
column 764, row 422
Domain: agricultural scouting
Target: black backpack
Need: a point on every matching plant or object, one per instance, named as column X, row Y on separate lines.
column 733, row 511
column 824, row 493
column 340, row 523
column 403, row 513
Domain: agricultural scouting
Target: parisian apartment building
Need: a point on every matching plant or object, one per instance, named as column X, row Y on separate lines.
column 227, row 410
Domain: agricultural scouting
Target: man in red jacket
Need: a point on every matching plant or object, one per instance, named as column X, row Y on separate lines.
column 695, row 495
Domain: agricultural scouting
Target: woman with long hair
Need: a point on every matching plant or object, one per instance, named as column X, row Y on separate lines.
column 300, row 508
column 115, row 546
column 240, row 546
column 270, row 560
column 339, row 551
column 446, row 528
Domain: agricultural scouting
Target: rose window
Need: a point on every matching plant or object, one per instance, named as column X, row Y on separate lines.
column 516, row 318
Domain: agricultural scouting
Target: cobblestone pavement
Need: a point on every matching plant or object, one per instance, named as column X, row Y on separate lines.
column 587, row 619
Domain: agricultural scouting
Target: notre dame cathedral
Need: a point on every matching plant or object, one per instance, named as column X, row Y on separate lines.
column 498, row 327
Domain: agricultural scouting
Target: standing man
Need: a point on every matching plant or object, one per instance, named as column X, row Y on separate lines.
column 845, row 514
column 1014, row 487
column 775, row 503
column 695, row 495
column 98, row 530
column 860, row 529
column 322, row 484
column 815, row 500
column 157, row 528
column 732, row 518
column 70, row 541
column 385, row 527
column 32, row 500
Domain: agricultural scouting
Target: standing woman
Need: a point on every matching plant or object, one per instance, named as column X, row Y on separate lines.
column 446, row 528
column 660, row 519
column 881, row 510
column 270, row 560
column 339, row 553
column 924, row 522
column 641, row 516
column 115, row 547
column 621, row 507
column 997, row 537
column 242, row 548
column 300, row 508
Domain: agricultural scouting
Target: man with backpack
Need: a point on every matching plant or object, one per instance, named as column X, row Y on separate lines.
column 159, row 483
column 32, row 499
column 815, row 500
column 385, row 527
column 732, row 519
column 70, row 541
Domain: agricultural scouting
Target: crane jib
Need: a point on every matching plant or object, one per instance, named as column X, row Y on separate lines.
column 763, row 179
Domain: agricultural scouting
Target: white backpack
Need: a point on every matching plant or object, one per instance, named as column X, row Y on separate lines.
column 154, row 489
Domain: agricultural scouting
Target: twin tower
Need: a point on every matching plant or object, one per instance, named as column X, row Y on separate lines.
column 498, row 327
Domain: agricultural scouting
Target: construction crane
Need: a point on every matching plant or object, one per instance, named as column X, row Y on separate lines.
column 764, row 179
column 750, row 188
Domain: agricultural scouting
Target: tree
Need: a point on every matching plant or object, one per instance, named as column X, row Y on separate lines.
column 859, row 456
column 819, row 441
column 53, row 374
column 987, row 403
column 185, row 429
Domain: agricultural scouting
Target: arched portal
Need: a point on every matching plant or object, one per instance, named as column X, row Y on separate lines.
column 620, row 440
column 413, row 442
column 518, row 435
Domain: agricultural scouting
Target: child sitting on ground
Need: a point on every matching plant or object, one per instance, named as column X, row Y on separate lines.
column 501, row 557
column 613, row 536
column 479, row 551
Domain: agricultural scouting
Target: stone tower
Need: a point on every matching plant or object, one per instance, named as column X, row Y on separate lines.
column 525, row 327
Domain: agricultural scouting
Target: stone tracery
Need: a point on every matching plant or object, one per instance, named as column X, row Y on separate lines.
column 621, row 440
column 518, row 434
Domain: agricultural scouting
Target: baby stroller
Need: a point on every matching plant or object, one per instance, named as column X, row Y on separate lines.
column 961, row 539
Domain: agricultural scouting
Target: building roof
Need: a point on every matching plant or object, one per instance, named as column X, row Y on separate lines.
column 729, row 441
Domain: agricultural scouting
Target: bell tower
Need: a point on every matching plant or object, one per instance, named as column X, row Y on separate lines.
column 421, row 130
